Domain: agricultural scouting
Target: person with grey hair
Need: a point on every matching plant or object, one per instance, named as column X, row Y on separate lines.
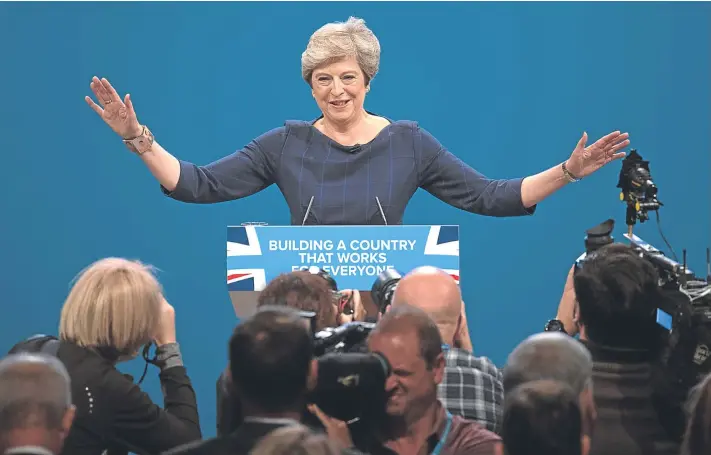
column 543, row 418
column 558, row 357
column 36, row 411
column 370, row 165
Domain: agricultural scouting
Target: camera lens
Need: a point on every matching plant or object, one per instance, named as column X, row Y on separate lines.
column 384, row 287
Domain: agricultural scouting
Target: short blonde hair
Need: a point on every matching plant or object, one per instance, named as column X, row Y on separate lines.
column 338, row 40
column 114, row 303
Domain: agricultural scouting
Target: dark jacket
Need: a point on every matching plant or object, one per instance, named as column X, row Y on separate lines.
column 113, row 413
column 628, row 422
column 241, row 441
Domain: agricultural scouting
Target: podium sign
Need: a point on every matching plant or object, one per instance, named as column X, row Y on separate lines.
column 353, row 255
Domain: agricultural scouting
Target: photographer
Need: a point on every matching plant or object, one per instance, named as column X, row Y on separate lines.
column 302, row 291
column 314, row 292
column 613, row 303
column 415, row 421
column 271, row 369
column 113, row 310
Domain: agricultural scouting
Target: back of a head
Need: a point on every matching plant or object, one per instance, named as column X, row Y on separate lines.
column 270, row 358
column 303, row 291
column 542, row 417
column 435, row 292
column 549, row 355
column 295, row 439
column 35, row 392
column 618, row 294
column 114, row 304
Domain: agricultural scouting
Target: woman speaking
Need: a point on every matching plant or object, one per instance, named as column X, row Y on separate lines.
column 349, row 166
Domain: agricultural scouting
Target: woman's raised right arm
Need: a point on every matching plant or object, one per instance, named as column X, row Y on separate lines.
column 238, row 175
column 164, row 166
column 121, row 117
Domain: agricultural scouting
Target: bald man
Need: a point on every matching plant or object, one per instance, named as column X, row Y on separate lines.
column 472, row 387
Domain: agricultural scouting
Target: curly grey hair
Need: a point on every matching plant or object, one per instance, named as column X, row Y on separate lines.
column 337, row 40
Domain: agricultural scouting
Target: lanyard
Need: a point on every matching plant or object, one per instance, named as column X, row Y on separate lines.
column 445, row 433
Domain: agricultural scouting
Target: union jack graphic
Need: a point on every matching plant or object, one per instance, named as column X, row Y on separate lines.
column 444, row 241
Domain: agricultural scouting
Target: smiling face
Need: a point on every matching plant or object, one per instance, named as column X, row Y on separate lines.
column 339, row 89
column 412, row 386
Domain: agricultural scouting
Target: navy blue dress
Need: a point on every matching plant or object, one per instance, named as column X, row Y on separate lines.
column 348, row 185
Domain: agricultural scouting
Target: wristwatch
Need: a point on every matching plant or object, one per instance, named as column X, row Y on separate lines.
column 141, row 143
column 554, row 325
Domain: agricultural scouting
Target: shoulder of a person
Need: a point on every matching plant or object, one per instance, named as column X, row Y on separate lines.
column 213, row 446
column 462, row 357
column 83, row 363
column 468, row 433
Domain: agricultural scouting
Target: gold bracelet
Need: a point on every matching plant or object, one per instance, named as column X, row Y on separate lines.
column 568, row 175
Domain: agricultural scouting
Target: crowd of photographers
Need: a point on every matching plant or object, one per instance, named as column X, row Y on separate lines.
column 314, row 372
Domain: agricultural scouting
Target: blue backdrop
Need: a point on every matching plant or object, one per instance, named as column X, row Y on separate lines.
column 509, row 87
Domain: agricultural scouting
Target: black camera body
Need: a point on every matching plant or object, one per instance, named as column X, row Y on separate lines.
column 683, row 347
column 350, row 382
column 684, row 310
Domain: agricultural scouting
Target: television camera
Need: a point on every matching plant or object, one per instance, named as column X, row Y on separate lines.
column 683, row 313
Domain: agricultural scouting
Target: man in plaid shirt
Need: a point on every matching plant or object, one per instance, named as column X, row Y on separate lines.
column 472, row 387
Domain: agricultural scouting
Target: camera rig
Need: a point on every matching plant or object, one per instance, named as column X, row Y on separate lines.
column 683, row 313
column 638, row 190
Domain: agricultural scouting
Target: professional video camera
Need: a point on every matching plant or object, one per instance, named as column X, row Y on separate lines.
column 350, row 382
column 684, row 310
column 683, row 315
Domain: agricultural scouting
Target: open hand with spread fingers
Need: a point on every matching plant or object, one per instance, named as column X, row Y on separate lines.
column 118, row 114
column 587, row 159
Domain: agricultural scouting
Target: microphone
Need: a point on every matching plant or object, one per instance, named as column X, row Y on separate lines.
column 355, row 148
column 380, row 207
column 308, row 209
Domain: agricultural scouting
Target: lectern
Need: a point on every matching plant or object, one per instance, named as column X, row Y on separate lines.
column 353, row 255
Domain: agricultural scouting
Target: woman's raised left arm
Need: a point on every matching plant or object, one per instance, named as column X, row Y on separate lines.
column 451, row 180
column 582, row 162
